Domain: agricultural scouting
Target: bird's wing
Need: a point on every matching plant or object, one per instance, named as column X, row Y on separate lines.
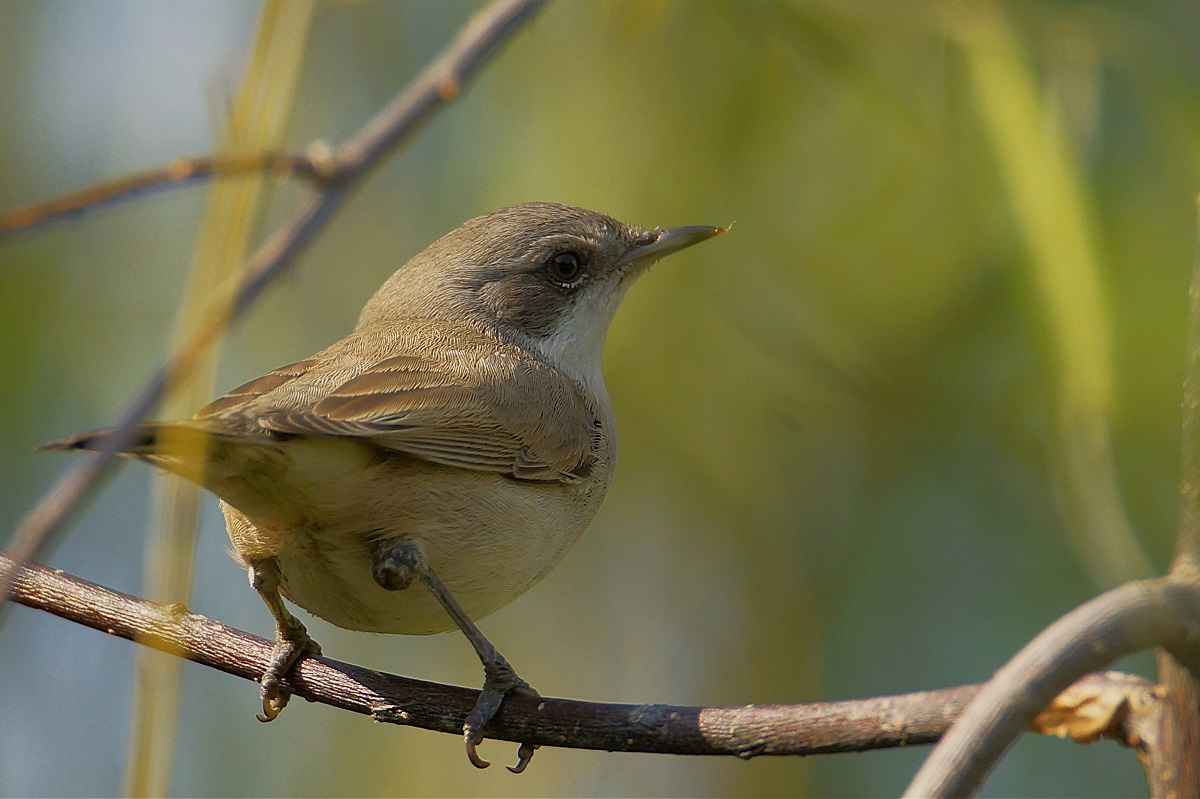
column 249, row 393
column 449, row 408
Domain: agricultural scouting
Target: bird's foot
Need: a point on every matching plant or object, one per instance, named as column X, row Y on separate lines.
column 500, row 680
column 291, row 646
column 395, row 565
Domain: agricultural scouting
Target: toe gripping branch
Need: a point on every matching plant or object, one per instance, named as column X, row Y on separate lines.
column 395, row 566
column 290, row 648
column 292, row 642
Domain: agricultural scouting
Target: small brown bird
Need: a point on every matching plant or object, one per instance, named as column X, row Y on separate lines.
column 460, row 437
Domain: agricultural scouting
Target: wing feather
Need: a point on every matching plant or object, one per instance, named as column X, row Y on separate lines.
column 449, row 408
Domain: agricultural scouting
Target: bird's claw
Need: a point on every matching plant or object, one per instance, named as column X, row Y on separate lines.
column 284, row 656
column 274, row 698
column 473, row 740
column 499, row 682
column 524, row 754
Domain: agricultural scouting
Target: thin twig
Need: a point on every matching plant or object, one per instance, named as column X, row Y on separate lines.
column 314, row 164
column 744, row 731
column 1133, row 617
column 438, row 85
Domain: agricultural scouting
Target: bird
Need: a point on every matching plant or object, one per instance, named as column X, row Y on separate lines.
column 435, row 463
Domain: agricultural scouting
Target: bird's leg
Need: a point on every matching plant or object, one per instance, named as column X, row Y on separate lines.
column 395, row 566
column 291, row 638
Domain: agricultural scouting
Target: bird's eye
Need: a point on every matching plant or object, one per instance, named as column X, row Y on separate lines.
column 565, row 269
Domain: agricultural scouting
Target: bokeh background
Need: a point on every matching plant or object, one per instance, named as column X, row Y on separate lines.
column 921, row 400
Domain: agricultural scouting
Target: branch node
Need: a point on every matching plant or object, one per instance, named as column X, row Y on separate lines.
column 448, row 88
column 321, row 163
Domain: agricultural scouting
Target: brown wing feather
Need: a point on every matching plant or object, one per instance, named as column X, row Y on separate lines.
column 247, row 393
column 469, row 414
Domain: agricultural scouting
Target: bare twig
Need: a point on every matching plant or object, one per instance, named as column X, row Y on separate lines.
column 1136, row 616
column 314, row 164
column 438, row 85
column 745, row 731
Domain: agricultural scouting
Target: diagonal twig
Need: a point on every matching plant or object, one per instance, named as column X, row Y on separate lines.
column 440, row 83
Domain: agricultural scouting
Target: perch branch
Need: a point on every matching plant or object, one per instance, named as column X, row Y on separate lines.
column 745, row 731
column 439, row 84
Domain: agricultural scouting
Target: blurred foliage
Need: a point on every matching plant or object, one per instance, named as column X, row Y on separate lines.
column 842, row 460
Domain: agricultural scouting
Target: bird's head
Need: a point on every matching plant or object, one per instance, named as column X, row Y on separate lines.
column 545, row 276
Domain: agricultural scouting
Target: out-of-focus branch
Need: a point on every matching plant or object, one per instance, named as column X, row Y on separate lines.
column 1187, row 534
column 315, row 164
column 257, row 122
column 1175, row 770
column 439, row 84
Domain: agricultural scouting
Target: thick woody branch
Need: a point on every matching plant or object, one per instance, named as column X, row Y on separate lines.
column 745, row 731
column 341, row 172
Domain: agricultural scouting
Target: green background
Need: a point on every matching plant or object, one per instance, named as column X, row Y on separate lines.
column 841, row 472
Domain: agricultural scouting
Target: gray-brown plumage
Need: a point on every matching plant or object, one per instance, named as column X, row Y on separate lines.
column 461, row 436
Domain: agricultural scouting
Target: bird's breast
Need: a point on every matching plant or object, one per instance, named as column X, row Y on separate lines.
column 488, row 537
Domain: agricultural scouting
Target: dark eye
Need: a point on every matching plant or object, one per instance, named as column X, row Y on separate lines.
column 565, row 269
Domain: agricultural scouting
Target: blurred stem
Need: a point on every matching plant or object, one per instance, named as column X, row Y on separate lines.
column 1187, row 542
column 1049, row 202
column 257, row 123
column 1175, row 768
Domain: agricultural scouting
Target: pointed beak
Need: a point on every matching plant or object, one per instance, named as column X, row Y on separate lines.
column 659, row 243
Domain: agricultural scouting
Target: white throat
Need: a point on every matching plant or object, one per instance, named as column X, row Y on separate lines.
column 576, row 347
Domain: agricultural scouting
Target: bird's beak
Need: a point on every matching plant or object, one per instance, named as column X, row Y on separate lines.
column 659, row 243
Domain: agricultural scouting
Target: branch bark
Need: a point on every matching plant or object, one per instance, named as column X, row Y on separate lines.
column 744, row 731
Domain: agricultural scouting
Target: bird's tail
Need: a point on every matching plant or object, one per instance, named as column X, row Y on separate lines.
column 176, row 447
column 143, row 441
